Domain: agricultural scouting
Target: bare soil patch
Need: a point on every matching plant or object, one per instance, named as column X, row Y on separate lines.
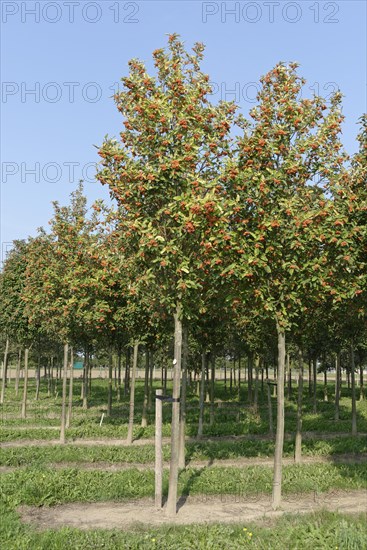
column 199, row 509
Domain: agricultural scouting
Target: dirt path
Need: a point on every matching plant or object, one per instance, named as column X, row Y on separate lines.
column 199, row 509
column 167, row 440
column 241, row 462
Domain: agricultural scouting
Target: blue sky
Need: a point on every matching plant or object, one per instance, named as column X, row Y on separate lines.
column 72, row 55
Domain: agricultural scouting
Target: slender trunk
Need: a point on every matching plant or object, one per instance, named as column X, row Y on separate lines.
column 353, row 380
column 127, row 372
column 129, row 438
column 110, row 383
column 326, row 398
column 25, row 384
column 256, row 391
column 225, row 376
column 71, row 380
column 212, row 389
column 361, row 387
column 310, row 377
column 5, row 370
column 239, row 377
column 17, row 372
column 202, row 390
column 279, row 439
column 85, row 379
column 314, row 365
column 38, row 376
column 298, row 442
column 144, row 421
column 337, row 386
column 64, row 388
column 118, row 375
column 289, row 378
column 270, row 410
column 175, row 428
column 185, row 353
column 49, row 387
column 249, row 378
column 150, row 389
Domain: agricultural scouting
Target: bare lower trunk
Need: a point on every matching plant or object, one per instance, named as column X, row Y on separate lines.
column 64, row 388
column 17, row 372
column 38, row 376
column 185, row 352
column 314, row 366
column 25, row 384
column 5, row 371
column 249, row 378
column 298, row 442
column 71, row 380
column 212, row 389
column 361, row 387
column 110, row 383
column 256, row 390
column 353, row 381
column 175, row 428
column 118, row 396
column 202, row 391
column 127, row 373
column 144, row 421
column 85, row 380
column 337, row 385
column 129, row 438
column 326, row 397
column 279, row 439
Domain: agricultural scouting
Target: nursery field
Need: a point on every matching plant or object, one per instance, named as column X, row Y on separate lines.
column 95, row 491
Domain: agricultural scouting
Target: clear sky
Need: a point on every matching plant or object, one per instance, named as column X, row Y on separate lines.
column 62, row 60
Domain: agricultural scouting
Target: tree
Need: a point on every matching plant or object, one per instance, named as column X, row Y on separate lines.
column 277, row 242
column 164, row 174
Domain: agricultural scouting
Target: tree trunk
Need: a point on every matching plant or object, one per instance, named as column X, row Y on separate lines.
column 326, row 398
column 309, row 377
column 256, row 391
column 270, row 411
column 173, row 472
column 298, row 442
column 212, row 389
column 337, row 386
column 71, row 380
column 17, row 372
column 144, row 421
column 361, row 387
column 185, row 353
column 127, row 373
column 85, row 380
column 202, row 391
column 150, row 389
column 38, row 376
column 5, row 370
column 239, row 378
column 118, row 397
column 64, row 388
column 25, row 384
column 110, row 383
column 249, row 377
column 314, row 366
column 353, row 380
column 129, row 438
column 279, row 439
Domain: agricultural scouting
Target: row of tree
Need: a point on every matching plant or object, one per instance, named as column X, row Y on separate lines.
column 220, row 225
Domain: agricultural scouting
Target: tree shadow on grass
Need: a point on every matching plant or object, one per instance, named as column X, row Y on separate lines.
column 189, row 483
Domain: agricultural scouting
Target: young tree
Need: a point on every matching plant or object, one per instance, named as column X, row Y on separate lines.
column 164, row 175
column 277, row 242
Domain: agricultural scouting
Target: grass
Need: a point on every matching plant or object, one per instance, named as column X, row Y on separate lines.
column 202, row 450
column 42, row 486
column 324, row 531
